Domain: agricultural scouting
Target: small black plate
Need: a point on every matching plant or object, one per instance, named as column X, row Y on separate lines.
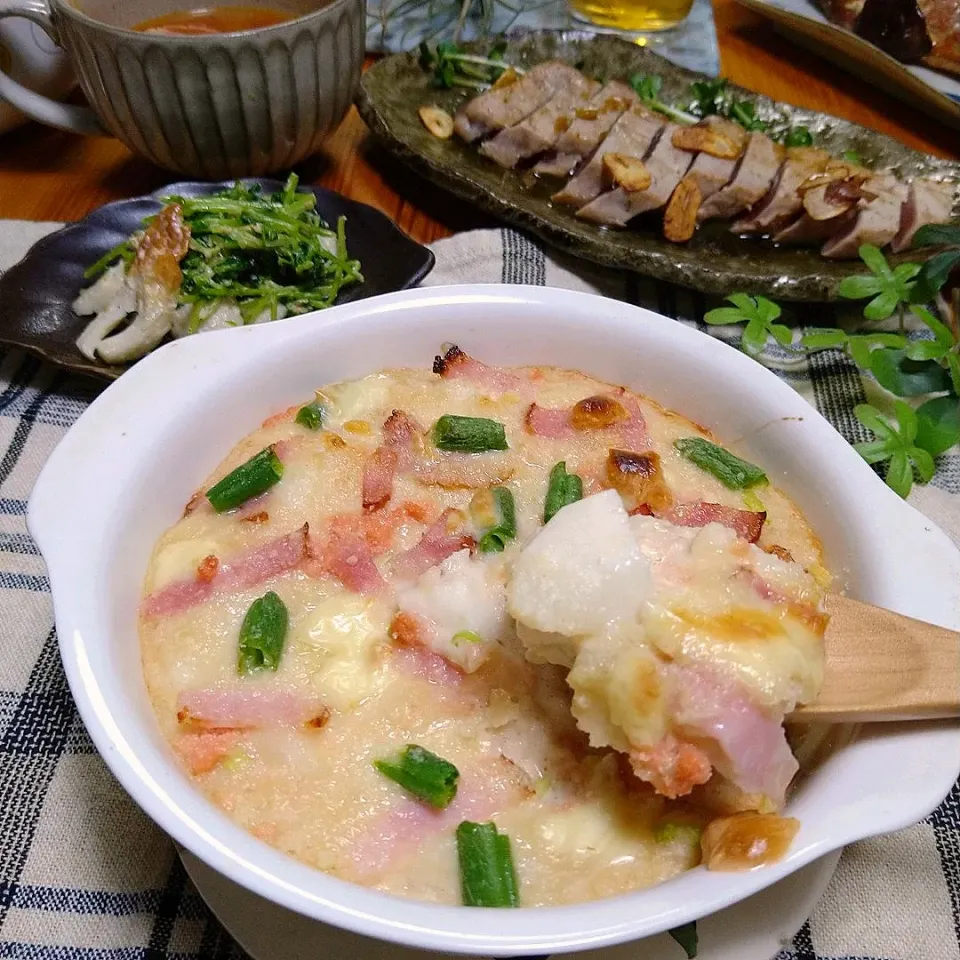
column 36, row 294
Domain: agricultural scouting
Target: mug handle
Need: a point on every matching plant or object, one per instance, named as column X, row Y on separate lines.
column 63, row 116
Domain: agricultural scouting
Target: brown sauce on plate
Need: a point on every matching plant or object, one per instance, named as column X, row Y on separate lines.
column 203, row 21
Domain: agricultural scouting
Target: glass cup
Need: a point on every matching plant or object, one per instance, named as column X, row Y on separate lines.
column 633, row 15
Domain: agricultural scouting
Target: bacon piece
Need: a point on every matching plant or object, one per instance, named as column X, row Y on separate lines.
column 401, row 438
column 404, row 829
column 419, row 661
column 440, row 540
column 745, row 743
column 177, row 597
column 286, row 448
column 246, row 709
column 246, row 570
column 548, row 422
column 378, row 474
column 282, row 417
column 745, row 523
column 808, row 613
column 621, row 416
column 456, row 365
column 201, row 752
column 347, row 548
column 259, row 565
column 672, row 767
column 350, row 560
column 400, row 431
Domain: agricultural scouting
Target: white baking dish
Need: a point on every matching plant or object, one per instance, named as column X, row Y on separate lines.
column 124, row 471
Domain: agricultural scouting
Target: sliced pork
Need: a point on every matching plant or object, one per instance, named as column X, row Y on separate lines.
column 666, row 163
column 759, row 165
column 928, row 201
column 540, row 130
column 877, row 221
column 805, row 231
column 783, row 201
column 588, row 125
column 632, row 135
column 510, row 102
column 709, row 172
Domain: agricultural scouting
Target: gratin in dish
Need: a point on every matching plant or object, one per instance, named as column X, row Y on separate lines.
column 610, row 685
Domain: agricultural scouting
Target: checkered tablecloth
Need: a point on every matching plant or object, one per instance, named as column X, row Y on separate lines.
column 84, row 874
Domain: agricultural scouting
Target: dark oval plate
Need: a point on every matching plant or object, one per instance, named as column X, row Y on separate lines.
column 36, row 294
column 714, row 261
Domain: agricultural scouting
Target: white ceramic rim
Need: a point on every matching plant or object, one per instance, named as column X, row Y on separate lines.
column 887, row 780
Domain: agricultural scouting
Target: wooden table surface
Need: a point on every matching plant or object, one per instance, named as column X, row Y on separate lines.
column 48, row 175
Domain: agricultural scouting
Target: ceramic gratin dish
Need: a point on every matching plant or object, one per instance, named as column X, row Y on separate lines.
column 122, row 474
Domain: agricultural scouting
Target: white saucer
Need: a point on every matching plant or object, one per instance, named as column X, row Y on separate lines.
column 755, row 929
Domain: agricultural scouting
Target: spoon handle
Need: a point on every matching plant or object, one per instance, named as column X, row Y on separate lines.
column 884, row 666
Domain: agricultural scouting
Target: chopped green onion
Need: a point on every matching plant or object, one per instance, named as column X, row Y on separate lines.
column 466, row 636
column 670, row 831
column 249, row 480
column 752, row 502
column 730, row 470
column 424, row 774
column 487, row 874
column 262, row 634
column 851, row 156
column 495, row 515
column 686, row 936
column 469, row 434
column 798, row 137
column 310, row 416
column 563, row 489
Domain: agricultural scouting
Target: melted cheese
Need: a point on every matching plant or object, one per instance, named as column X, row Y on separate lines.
column 358, row 400
column 179, row 560
column 340, row 648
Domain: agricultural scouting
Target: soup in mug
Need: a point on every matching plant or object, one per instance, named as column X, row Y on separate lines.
column 210, row 20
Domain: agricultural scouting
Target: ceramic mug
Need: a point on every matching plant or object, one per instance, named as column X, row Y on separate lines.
column 29, row 56
column 214, row 106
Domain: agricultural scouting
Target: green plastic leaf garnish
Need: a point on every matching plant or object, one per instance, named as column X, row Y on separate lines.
column 895, row 442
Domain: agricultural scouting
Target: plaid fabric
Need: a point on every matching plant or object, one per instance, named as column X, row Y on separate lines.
column 84, row 874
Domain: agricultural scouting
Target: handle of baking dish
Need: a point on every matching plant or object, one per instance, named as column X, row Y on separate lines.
column 927, row 583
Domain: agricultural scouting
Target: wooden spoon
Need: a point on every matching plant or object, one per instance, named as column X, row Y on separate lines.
column 883, row 666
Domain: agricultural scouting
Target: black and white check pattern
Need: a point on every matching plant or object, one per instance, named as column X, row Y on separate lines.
column 84, row 875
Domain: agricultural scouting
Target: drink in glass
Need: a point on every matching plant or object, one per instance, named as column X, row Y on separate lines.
column 633, row 15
